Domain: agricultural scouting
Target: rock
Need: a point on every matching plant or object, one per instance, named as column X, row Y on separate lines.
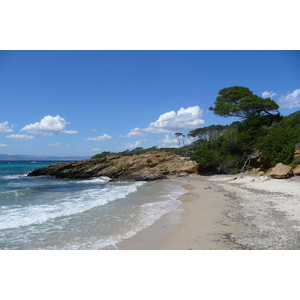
column 281, row 171
column 258, row 163
column 297, row 151
column 255, row 171
column 144, row 167
column 296, row 171
column 268, row 172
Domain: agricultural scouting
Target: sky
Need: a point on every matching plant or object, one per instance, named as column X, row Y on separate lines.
column 67, row 103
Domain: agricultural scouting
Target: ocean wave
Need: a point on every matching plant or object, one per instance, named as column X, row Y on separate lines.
column 148, row 214
column 11, row 177
column 17, row 193
column 102, row 179
column 74, row 203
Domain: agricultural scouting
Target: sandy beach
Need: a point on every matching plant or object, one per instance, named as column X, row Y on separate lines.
column 225, row 212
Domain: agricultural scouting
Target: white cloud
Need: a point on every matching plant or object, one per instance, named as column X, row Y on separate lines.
column 70, row 131
column 49, row 126
column 59, row 145
column 21, row 137
column 95, row 149
column 267, row 94
column 3, row 145
column 135, row 133
column 169, row 141
column 134, row 145
column 172, row 141
column 290, row 100
column 182, row 120
column 5, row 128
column 100, row 138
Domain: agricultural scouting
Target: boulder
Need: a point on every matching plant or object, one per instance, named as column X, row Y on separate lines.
column 296, row 171
column 144, row 167
column 281, row 171
column 297, row 151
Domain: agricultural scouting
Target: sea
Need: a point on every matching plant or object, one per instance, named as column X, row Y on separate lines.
column 43, row 212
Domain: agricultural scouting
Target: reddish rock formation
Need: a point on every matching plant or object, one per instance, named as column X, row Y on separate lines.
column 149, row 166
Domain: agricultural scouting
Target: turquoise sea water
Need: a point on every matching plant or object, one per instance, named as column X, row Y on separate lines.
column 48, row 213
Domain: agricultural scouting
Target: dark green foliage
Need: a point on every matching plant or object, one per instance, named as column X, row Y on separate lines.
column 207, row 133
column 274, row 135
column 103, row 154
column 220, row 155
column 238, row 101
column 255, row 127
column 279, row 144
column 295, row 162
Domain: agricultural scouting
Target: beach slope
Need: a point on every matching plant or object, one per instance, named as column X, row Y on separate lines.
column 224, row 212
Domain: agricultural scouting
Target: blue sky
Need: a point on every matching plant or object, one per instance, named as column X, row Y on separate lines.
column 67, row 103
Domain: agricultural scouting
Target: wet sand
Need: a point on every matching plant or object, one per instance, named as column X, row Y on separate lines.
column 224, row 212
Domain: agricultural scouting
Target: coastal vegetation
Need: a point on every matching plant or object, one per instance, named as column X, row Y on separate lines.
column 225, row 149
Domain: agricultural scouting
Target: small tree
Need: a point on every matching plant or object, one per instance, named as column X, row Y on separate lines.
column 238, row 101
column 180, row 138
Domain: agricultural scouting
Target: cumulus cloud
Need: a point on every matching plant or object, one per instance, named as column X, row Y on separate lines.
column 135, row 133
column 182, row 120
column 290, row 100
column 3, row 145
column 100, row 138
column 21, row 137
column 5, row 128
column 49, row 126
column 267, row 94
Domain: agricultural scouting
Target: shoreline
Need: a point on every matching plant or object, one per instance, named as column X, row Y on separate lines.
column 198, row 223
column 224, row 212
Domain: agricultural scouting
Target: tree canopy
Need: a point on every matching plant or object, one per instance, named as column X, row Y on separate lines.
column 238, row 101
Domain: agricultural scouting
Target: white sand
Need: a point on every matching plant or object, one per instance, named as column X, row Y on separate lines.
column 219, row 212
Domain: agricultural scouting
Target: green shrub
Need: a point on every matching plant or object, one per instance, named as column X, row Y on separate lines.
column 295, row 162
column 279, row 144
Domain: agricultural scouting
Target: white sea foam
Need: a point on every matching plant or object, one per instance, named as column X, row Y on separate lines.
column 11, row 177
column 75, row 203
column 17, row 193
column 148, row 214
column 102, row 179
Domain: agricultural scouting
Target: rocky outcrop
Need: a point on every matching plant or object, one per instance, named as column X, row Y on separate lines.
column 296, row 171
column 281, row 171
column 256, row 161
column 297, row 151
column 145, row 167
